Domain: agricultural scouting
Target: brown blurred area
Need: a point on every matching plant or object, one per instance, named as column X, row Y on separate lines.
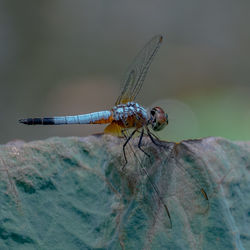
column 68, row 57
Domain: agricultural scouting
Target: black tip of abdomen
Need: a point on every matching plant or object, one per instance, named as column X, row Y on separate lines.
column 37, row 121
column 22, row 121
column 28, row 121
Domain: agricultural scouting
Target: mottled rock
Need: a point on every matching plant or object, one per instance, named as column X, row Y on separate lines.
column 76, row 193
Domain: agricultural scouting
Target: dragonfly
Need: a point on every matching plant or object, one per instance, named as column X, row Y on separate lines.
column 127, row 114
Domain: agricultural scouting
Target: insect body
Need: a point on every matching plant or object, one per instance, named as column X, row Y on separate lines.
column 126, row 115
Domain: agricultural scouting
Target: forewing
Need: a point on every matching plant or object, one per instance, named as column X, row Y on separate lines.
column 137, row 71
column 153, row 203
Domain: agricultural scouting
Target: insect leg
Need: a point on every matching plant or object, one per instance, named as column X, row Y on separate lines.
column 139, row 144
column 124, row 133
column 124, row 145
column 151, row 136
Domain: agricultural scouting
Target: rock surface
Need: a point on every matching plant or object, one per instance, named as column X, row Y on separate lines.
column 74, row 193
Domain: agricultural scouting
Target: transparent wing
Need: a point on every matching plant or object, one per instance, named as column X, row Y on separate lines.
column 136, row 73
column 152, row 198
column 170, row 181
column 186, row 184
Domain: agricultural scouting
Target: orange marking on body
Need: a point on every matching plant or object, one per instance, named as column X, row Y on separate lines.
column 116, row 127
column 131, row 122
column 103, row 121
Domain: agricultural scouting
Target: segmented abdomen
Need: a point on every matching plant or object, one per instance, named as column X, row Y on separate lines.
column 92, row 118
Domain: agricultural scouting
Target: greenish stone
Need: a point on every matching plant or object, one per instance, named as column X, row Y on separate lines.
column 73, row 193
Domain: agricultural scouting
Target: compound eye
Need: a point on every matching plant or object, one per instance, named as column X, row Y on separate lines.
column 158, row 119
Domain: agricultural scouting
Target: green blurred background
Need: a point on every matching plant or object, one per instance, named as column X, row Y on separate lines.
column 68, row 57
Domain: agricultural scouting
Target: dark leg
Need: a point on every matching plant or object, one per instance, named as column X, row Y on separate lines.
column 156, row 142
column 124, row 133
column 124, row 145
column 139, row 144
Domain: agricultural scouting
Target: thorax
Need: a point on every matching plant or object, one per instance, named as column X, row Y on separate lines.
column 130, row 112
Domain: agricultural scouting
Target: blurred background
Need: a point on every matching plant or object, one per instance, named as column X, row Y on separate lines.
column 68, row 57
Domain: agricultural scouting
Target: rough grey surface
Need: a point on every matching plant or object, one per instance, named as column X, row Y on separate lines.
column 72, row 193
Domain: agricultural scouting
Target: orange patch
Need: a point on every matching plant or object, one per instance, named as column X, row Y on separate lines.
column 103, row 121
column 116, row 127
